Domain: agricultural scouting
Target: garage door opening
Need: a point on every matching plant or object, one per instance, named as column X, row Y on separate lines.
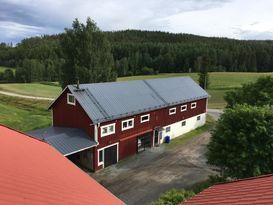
column 83, row 159
column 144, row 141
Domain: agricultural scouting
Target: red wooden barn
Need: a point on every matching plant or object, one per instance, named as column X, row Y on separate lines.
column 33, row 173
column 101, row 123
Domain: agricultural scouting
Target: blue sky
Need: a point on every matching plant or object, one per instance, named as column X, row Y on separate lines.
column 240, row 19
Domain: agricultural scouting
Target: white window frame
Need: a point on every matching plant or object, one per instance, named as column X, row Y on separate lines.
column 147, row 120
column 193, row 105
column 172, row 111
column 102, row 149
column 108, row 130
column 68, row 102
column 128, row 127
column 102, row 162
column 184, row 108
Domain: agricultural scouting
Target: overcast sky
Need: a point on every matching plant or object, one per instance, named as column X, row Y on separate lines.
column 241, row 19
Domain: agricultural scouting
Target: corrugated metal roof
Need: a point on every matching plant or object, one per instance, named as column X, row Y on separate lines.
column 108, row 101
column 256, row 190
column 66, row 140
column 33, row 172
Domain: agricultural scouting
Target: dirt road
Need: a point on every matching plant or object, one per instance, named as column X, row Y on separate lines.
column 142, row 178
column 25, row 96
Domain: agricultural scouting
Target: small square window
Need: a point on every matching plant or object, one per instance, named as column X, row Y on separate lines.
column 127, row 124
column 172, row 111
column 71, row 99
column 183, row 108
column 193, row 105
column 183, row 123
column 168, row 129
column 107, row 130
column 144, row 118
column 198, row 118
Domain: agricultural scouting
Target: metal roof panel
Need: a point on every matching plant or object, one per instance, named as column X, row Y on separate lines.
column 66, row 140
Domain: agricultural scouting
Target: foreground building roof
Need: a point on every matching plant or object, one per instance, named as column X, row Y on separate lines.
column 256, row 190
column 66, row 140
column 34, row 173
column 108, row 101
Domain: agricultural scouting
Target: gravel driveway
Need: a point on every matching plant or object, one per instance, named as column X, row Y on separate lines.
column 141, row 179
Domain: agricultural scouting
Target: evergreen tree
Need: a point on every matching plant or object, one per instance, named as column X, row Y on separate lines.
column 203, row 73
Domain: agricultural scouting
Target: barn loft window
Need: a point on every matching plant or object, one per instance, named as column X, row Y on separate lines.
column 183, row 108
column 193, row 105
column 183, row 123
column 127, row 124
column 71, row 99
column 145, row 118
column 107, row 130
column 172, row 111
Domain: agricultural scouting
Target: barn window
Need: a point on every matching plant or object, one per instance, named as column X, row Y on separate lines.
column 168, row 129
column 107, row 130
column 127, row 124
column 172, row 111
column 193, row 105
column 183, row 123
column 183, row 108
column 145, row 118
column 71, row 99
column 198, row 118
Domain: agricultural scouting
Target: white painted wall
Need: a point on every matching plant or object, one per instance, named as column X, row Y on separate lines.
column 177, row 129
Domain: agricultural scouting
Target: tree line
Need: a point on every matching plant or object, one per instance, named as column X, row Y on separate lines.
column 135, row 52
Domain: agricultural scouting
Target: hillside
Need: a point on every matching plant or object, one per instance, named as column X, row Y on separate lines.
column 141, row 53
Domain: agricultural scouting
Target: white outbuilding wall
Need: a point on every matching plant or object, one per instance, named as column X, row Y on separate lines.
column 176, row 129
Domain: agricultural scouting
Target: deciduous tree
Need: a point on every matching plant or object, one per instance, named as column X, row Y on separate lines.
column 242, row 142
column 87, row 54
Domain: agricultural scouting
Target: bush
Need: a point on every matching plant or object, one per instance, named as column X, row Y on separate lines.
column 173, row 197
column 147, row 71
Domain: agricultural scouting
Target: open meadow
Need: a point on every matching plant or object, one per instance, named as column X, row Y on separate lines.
column 25, row 114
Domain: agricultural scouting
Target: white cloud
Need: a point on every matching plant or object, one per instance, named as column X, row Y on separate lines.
column 243, row 19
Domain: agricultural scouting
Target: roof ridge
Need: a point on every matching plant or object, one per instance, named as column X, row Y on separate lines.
column 155, row 92
column 96, row 103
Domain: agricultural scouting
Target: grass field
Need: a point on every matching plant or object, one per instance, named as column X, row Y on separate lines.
column 219, row 84
column 32, row 89
column 24, row 114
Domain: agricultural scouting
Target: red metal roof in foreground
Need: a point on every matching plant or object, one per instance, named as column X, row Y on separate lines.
column 32, row 172
column 256, row 190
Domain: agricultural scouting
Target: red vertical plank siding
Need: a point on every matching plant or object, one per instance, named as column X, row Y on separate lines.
column 65, row 115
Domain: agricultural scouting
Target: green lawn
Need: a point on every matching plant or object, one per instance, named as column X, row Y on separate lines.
column 33, row 89
column 219, row 84
column 24, row 114
column 210, row 122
